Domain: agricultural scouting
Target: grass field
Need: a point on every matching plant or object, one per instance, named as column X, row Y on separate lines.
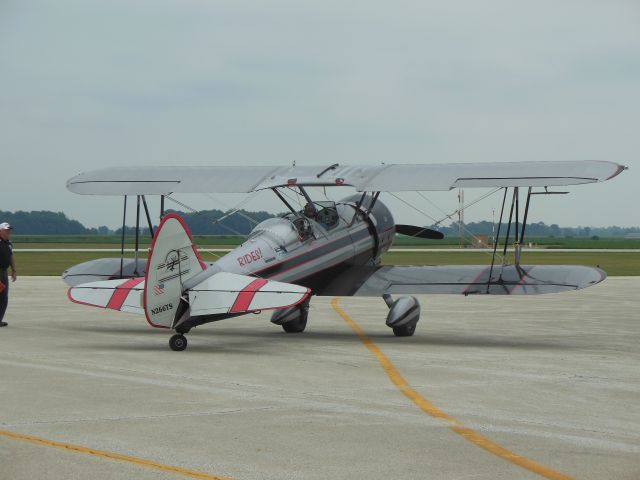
column 614, row 263
column 109, row 241
column 541, row 242
column 112, row 241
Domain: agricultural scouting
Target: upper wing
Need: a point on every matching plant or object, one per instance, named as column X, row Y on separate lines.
column 463, row 279
column 391, row 178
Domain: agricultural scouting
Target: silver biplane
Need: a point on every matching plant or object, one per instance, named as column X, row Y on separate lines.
column 327, row 248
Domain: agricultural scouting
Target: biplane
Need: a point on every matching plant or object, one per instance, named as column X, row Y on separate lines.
column 326, row 248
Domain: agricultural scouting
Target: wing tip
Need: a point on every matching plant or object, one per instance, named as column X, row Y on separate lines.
column 619, row 169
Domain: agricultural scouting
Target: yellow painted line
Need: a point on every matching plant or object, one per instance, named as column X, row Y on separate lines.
column 111, row 456
column 433, row 411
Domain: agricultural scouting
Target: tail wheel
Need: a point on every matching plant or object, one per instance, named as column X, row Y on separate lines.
column 178, row 342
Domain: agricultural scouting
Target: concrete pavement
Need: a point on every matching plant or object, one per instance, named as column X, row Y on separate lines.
column 554, row 379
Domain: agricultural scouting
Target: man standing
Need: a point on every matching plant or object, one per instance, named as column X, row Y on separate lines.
column 6, row 261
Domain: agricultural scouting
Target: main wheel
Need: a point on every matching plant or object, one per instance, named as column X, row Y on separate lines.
column 405, row 330
column 299, row 323
column 178, row 342
column 296, row 326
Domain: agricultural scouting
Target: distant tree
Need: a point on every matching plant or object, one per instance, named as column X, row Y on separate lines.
column 207, row 222
column 43, row 223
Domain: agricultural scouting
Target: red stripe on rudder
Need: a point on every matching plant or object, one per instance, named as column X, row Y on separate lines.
column 245, row 297
column 120, row 294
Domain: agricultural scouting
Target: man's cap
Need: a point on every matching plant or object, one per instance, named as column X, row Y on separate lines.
column 5, row 226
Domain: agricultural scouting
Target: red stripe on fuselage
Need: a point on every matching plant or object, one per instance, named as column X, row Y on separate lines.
column 120, row 294
column 246, row 296
column 311, row 254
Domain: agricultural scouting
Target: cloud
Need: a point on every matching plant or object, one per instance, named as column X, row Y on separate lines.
column 90, row 84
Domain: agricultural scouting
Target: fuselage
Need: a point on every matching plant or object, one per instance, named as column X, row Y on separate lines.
column 311, row 251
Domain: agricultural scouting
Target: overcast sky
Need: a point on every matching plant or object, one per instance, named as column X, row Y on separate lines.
column 88, row 84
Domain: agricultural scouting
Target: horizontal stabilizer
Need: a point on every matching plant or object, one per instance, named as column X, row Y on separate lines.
column 464, row 279
column 230, row 293
column 124, row 295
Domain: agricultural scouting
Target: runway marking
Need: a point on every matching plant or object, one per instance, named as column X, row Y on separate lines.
column 427, row 407
column 111, row 456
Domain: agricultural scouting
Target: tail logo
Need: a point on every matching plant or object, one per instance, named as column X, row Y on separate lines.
column 175, row 265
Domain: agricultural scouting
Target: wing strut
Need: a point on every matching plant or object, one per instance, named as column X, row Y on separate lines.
column 284, row 200
column 518, row 232
column 146, row 211
column 495, row 240
column 369, row 207
column 524, row 226
column 124, row 219
column 137, row 233
column 357, row 209
column 373, row 202
column 135, row 269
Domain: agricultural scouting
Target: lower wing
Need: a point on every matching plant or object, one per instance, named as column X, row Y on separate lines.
column 463, row 279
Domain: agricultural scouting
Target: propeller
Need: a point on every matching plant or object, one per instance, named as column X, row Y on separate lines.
column 419, row 232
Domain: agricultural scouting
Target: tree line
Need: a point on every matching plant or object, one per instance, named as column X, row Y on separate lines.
column 213, row 222
column 206, row 222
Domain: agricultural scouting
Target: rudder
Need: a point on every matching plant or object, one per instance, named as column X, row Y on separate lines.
column 173, row 259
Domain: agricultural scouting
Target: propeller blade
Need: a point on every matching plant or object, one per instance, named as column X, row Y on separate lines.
column 419, row 232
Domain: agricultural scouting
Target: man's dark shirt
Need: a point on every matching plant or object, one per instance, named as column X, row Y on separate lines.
column 6, row 251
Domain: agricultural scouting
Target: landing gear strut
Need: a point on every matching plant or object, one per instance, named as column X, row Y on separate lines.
column 178, row 342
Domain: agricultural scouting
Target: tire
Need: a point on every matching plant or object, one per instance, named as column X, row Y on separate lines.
column 298, row 325
column 405, row 330
column 178, row 343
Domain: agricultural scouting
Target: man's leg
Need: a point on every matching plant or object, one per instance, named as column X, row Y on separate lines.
column 4, row 296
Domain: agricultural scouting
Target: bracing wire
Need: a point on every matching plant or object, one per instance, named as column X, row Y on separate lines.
column 414, row 207
column 193, row 210
column 455, row 212
column 183, row 205
column 236, row 209
column 446, row 215
column 295, row 199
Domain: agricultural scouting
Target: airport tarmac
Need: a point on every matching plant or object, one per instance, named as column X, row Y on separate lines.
column 488, row 388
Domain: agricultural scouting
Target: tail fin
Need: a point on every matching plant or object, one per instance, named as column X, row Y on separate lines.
column 173, row 259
